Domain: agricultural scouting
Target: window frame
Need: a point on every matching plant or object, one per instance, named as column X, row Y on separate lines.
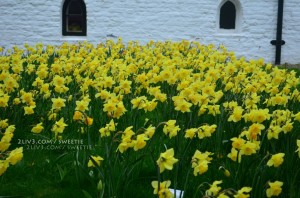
column 238, row 17
column 65, row 14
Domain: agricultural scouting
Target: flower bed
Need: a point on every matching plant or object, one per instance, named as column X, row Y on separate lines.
column 118, row 120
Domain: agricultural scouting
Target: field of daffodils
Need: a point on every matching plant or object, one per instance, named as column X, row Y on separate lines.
column 164, row 119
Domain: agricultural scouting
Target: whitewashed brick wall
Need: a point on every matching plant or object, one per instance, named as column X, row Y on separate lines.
column 33, row 21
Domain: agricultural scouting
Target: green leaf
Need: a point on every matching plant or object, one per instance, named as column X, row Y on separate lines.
column 86, row 194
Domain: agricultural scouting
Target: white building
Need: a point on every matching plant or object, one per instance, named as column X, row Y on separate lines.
column 245, row 26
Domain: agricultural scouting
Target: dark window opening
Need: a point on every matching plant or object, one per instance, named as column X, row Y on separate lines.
column 74, row 18
column 227, row 16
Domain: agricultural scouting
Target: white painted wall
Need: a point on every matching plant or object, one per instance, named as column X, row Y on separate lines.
column 33, row 21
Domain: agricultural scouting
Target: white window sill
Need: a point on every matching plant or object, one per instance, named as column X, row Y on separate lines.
column 231, row 32
column 73, row 38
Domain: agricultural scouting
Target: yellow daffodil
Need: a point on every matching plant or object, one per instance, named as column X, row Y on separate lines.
column 257, row 115
column 59, row 126
column 243, row 192
column 4, row 144
column 15, row 156
column 181, row 104
column 140, row 142
column 162, row 190
column 170, row 128
column 139, row 102
column 28, row 110
column 255, row 130
column 233, row 155
column 276, row 160
column 287, row 127
column 97, row 160
column 82, row 105
column 149, row 132
column 3, row 166
column 58, row 81
column 222, row 195
column 10, row 129
column 190, row 133
column 4, row 100
column 127, row 141
column 236, row 115
column 120, row 110
column 249, row 148
column 214, row 109
column 26, row 97
column 200, row 162
column 78, row 116
column 297, row 116
column 108, row 129
column 4, row 124
column 274, row 188
column 237, row 143
column 10, row 84
column 16, row 101
column 206, row 131
column 37, row 128
column 166, row 160
column 109, row 107
column 88, row 121
column 214, row 189
column 58, row 103
column 273, row 132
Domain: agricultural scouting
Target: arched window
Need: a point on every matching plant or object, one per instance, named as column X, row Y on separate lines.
column 74, row 18
column 228, row 15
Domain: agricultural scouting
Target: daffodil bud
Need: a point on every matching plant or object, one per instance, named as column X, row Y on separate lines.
column 227, row 173
column 100, row 185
